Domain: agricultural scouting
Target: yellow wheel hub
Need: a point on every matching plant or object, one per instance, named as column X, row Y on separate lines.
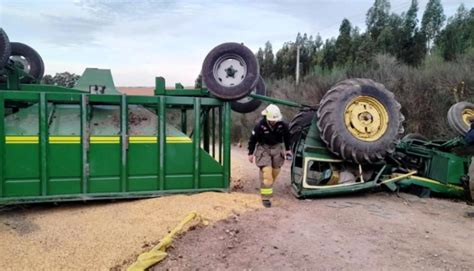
column 366, row 118
column 467, row 114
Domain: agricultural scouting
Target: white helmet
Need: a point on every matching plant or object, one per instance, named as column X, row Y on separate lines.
column 272, row 112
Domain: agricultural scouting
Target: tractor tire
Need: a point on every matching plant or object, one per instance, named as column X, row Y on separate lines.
column 415, row 136
column 459, row 115
column 32, row 61
column 5, row 48
column 249, row 104
column 300, row 121
column 223, row 79
column 360, row 121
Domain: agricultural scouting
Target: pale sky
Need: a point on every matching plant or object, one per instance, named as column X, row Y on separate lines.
column 141, row 39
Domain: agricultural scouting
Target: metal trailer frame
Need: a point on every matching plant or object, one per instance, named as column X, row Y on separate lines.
column 45, row 167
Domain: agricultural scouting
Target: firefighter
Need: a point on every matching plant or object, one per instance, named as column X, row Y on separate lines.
column 267, row 151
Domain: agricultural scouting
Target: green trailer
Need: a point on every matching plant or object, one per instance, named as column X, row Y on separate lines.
column 92, row 142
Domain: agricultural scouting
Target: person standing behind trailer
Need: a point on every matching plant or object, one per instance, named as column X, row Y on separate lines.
column 266, row 149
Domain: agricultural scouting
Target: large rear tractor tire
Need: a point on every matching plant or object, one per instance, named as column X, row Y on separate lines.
column 459, row 115
column 301, row 121
column 230, row 71
column 5, row 48
column 30, row 59
column 360, row 121
column 249, row 104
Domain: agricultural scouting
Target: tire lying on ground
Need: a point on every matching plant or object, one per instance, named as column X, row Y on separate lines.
column 230, row 71
column 360, row 120
column 459, row 115
column 30, row 59
column 299, row 122
column 5, row 48
column 249, row 104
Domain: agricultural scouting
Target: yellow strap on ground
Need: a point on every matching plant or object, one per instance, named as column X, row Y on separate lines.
column 158, row 253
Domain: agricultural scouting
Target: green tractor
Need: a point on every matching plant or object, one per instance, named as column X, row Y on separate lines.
column 352, row 141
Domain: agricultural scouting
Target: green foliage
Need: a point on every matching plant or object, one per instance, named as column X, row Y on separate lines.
column 344, row 43
column 64, row 79
column 458, row 36
column 432, row 21
column 378, row 18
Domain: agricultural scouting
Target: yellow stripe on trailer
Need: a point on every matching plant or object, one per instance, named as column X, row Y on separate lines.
column 95, row 140
column 21, row 139
column 64, row 140
column 105, row 139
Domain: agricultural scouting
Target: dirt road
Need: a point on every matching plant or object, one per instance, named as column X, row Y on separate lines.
column 370, row 231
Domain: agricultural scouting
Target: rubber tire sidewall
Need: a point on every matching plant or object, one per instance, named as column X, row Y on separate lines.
column 299, row 122
column 337, row 137
column 455, row 120
column 34, row 59
column 253, row 104
column 242, row 89
column 5, row 48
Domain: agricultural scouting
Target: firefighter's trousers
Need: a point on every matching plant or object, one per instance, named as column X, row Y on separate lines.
column 269, row 159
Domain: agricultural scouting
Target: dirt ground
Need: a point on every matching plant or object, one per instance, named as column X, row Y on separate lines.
column 378, row 231
column 369, row 231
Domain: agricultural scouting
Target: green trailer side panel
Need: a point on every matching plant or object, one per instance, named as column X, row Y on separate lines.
column 104, row 165
column 64, row 169
column 22, row 170
column 142, row 167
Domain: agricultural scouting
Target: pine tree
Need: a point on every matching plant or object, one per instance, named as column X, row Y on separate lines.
column 268, row 61
column 377, row 18
column 432, row 21
column 343, row 43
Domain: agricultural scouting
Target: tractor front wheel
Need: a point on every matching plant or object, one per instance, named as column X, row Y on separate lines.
column 459, row 116
column 5, row 48
column 230, row 71
column 249, row 104
column 31, row 61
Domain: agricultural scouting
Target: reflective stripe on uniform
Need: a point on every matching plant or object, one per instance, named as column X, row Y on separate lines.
column 266, row 191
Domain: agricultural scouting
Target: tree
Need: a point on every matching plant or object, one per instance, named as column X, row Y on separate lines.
column 259, row 56
column 268, row 61
column 64, row 79
column 412, row 41
column 377, row 18
column 329, row 54
column 432, row 21
column 343, row 43
column 458, row 36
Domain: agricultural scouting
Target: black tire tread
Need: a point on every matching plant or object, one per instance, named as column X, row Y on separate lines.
column 329, row 124
column 33, row 58
column 455, row 120
column 5, row 48
column 252, row 105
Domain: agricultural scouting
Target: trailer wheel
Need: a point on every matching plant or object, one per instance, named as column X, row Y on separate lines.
column 249, row 104
column 299, row 123
column 459, row 115
column 230, row 71
column 360, row 120
column 5, row 48
column 30, row 59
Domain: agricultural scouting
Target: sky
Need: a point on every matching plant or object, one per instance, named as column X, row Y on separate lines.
column 141, row 39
